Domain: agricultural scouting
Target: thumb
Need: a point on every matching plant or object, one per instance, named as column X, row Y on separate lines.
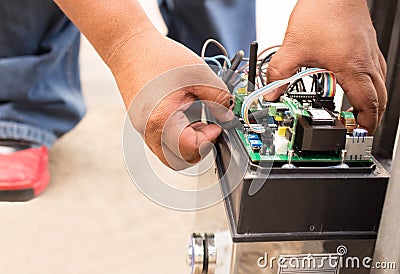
column 284, row 64
column 217, row 99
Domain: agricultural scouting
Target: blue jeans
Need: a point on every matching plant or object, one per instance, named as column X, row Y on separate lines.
column 40, row 92
column 192, row 22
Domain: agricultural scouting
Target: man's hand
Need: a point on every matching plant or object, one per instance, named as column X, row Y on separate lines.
column 159, row 87
column 137, row 54
column 337, row 35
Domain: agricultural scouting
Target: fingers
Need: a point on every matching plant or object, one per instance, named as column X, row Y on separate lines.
column 283, row 65
column 381, row 92
column 195, row 139
column 382, row 64
column 380, row 84
column 191, row 142
column 157, row 112
column 366, row 91
column 182, row 149
column 182, row 144
column 217, row 99
column 363, row 96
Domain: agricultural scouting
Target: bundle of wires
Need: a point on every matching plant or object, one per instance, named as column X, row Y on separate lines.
column 329, row 90
column 328, row 84
column 261, row 60
column 215, row 59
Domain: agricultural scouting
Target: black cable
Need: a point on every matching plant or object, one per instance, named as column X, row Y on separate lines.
column 235, row 64
column 317, row 86
column 298, row 84
column 267, row 59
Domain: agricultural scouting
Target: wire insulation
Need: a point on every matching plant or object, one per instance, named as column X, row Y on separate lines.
column 215, row 42
column 329, row 90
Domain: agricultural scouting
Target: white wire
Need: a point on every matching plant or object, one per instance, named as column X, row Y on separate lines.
column 271, row 87
column 215, row 42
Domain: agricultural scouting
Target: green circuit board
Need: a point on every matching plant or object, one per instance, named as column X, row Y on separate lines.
column 276, row 113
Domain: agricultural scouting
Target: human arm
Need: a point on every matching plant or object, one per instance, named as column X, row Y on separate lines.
column 136, row 54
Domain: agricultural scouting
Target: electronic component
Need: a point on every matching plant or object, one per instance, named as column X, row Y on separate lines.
column 256, row 144
column 360, row 133
column 319, row 138
column 240, row 92
column 271, row 122
column 288, row 121
column 302, row 96
column 267, row 137
column 281, row 145
column 321, row 117
column 289, row 134
column 282, row 131
column 253, row 137
column 278, row 118
column 326, row 103
column 349, row 121
column 359, row 146
column 258, row 116
column 254, row 141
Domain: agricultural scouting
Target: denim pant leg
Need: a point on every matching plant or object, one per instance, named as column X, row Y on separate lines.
column 40, row 92
column 191, row 22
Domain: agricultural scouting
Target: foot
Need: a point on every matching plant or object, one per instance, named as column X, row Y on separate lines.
column 24, row 172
